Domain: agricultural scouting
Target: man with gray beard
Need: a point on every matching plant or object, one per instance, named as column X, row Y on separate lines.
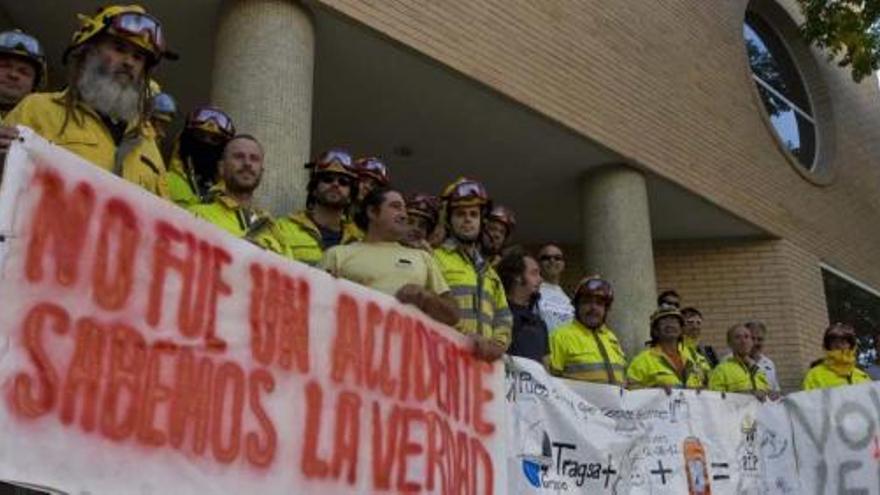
column 103, row 114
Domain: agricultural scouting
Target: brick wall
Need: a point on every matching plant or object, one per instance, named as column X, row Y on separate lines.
column 666, row 85
column 736, row 281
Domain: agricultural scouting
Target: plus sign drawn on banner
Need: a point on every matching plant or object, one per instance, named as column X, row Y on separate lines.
column 661, row 471
column 608, row 472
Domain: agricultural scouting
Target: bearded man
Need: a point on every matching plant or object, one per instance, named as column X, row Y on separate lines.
column 103, row 115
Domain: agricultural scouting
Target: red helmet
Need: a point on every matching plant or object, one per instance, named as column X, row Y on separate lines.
column 373, row 168
column 839, row 331
column 334, row 161
column 504, row 215
column 594, row 286
column 465, row 192
column 426, row 206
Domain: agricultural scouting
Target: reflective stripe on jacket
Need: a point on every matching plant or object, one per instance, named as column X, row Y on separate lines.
column 576, row 352
column 732, row 375
column 479, row 294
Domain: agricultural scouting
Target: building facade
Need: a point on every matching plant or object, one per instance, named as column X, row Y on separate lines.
column 636, row 134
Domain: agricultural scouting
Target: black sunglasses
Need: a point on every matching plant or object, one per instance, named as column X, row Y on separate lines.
column 552, row 257
column 331, row 178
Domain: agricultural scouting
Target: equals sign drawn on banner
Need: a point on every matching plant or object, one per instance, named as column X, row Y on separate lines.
column 717, row 466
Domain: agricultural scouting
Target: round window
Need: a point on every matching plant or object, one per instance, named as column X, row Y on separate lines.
column 781, row 89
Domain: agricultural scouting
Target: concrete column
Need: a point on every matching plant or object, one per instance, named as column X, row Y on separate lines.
column 263, row 75
column 617, row 246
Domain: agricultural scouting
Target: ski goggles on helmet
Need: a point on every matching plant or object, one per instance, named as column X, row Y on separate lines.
column 466, row 192
column 141, row 27
column 374, row 168
column 334, row 161
column 211, row 120
column 23, row 44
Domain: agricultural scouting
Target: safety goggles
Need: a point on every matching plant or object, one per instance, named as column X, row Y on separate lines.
column 468, row 189
column 18, row 41
column 328, row 158
column 138, row 25
column 372, row 167
column 334, row 161
column 211, row 120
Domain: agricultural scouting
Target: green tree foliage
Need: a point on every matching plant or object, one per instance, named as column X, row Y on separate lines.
column 848, row 30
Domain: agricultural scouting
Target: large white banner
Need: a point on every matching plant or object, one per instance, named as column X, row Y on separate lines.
column 144, row 351
column 569, row 437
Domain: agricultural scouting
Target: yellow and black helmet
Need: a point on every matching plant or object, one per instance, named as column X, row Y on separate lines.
column 129, row 22
column 20, row 44
column 465, row 192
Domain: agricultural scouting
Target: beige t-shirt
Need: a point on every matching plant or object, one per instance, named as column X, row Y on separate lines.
column 385, row 266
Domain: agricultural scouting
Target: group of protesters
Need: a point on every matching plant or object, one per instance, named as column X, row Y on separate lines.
column 447, row 254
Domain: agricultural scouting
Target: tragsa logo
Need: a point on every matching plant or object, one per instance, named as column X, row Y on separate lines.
column 533, row 465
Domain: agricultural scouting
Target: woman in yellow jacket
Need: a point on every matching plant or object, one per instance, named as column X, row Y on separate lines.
column 838, row 367
column 667, row 363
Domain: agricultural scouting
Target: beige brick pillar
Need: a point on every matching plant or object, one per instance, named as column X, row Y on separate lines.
column 263, row 74
column 617, row 246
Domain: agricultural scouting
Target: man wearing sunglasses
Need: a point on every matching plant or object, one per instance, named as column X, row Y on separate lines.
column 325, row 223
column 478, row 290
column 554, row 305
column 103, row 115
column 22, row 68
column 230, row 206
column 192, row 168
